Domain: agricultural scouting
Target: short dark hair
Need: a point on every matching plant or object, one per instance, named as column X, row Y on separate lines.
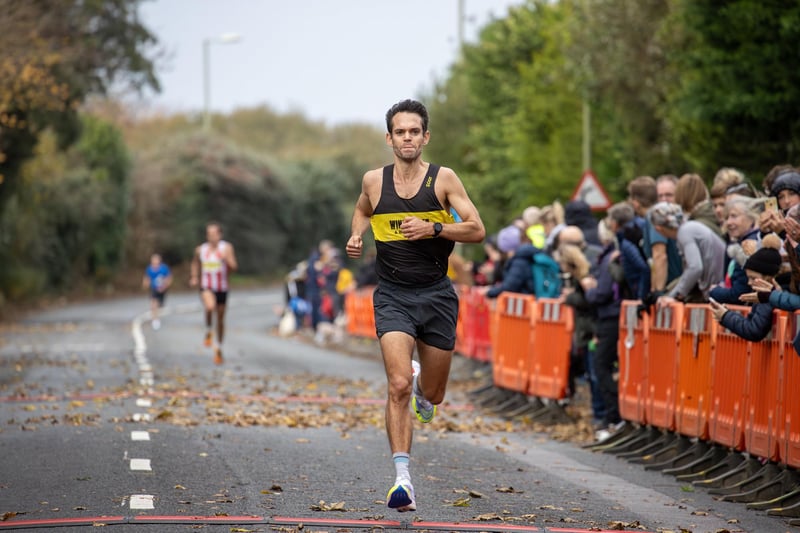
column 407, row 106
column 643, row 189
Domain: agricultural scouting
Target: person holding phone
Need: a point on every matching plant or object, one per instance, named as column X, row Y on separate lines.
column 785, row 191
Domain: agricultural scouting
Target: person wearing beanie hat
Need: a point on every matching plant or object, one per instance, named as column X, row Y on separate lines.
column 786, row 190
column 764, row 264
column 509, row 239
column 517, row 275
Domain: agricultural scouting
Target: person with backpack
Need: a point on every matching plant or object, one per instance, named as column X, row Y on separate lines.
column 603, row 292
column 527, row 268
column 621, row 221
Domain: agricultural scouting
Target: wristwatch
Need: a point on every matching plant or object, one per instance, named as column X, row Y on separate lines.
column 437, row 228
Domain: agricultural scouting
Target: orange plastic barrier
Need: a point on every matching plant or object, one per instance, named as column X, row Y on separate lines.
column 729, row 377
column 462, row 342
column 472, row 330
column 790, row 434
column 694, row 372
column 632, row 350
column 763, row 423
column 662, row 361
column 480, row 328
column 360, row 313
column 514, row 323
column 550, row 350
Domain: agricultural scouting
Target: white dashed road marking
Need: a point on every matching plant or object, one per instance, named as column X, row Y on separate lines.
column 141, row 465
column 140, row 435
column 142, row 501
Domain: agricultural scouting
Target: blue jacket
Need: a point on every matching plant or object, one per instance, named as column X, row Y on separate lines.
column 634, row 265
column 739, row 286
column 753, row 327
column 517, row 273
column 605, row 297
column 785, row 300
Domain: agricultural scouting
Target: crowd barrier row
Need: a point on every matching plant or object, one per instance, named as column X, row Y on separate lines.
column 679, row 370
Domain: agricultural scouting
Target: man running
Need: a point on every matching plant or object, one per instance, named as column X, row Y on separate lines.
column 408, row 204
column 157, row 278
column 213, row 261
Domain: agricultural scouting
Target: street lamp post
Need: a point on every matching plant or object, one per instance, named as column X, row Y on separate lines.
column 225, row 38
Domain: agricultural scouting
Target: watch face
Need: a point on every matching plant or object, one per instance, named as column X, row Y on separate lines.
column 437, row 228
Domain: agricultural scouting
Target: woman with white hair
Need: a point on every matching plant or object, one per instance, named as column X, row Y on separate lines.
column 741, row 226
column 702, row 251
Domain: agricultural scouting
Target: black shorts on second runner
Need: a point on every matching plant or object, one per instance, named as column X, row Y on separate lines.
column 221, row 297
column 428, row 314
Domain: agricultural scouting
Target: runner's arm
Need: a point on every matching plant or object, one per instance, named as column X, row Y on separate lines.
column 471, row 228
column 195, row 268
column 230, row 258
column 361, row 215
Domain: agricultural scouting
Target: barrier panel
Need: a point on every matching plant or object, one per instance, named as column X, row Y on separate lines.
column 515, row 323
column 729, row 377
column 763, row 421
column 694, row 372
column 550, row 350
column 632, row 349
column 662, row 361
column 462, row 340
column 790, row 451
column 472, row 330
column 480, row 329
column 359, row 310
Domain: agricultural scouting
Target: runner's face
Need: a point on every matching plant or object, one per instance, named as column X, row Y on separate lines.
column 213, row 234
column 407, row 137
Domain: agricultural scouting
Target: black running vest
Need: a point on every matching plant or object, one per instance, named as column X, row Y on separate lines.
column 411, row 263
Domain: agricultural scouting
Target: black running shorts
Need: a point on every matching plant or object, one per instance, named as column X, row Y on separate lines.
column 221, row 297
column 428, row 314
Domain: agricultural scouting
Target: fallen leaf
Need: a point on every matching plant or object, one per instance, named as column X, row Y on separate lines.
column 179, row 487
column 322, row 506
column 462, row 502
column 486, row 517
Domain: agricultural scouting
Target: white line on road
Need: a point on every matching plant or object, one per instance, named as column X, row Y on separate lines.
column 141, row 465
column 142, row 501
column 143, row 402
column 140, row 435
column 141, row 417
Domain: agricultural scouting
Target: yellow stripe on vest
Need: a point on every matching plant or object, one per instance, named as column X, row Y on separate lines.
column 386, row 226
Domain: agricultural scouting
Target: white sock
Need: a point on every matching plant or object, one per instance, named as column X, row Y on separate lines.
column 401, row 460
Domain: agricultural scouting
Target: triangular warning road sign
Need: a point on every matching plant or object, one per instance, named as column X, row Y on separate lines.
column 590, row 191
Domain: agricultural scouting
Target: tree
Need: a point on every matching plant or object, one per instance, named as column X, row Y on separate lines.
column 55, row 54
column 738, row 100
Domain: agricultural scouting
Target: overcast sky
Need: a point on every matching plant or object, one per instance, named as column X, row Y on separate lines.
column 335, row 61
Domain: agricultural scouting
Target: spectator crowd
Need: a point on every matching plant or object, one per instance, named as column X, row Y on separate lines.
column 673, row 239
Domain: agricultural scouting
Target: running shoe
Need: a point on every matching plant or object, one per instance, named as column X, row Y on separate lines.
column 218, row 360
column 424, row 409
column 209, row 339
column 401, row 497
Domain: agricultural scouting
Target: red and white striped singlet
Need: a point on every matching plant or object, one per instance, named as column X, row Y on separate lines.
column 213, row 270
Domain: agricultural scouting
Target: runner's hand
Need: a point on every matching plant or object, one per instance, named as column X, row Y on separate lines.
column 354, row 246
column 414, row 228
